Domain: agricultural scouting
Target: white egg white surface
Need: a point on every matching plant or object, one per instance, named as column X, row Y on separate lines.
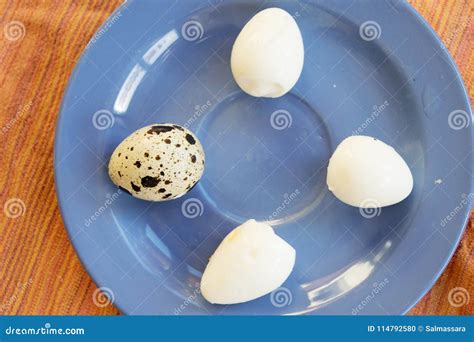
column 268, row 55
column 250, row 262
column 158, row 162
column 365, row 172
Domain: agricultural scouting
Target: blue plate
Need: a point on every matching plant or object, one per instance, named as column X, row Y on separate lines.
column 372, row 68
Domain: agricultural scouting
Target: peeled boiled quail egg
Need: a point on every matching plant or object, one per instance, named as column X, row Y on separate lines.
column 158, row 163
column 250, row 262
column 365, row 172
column 268, row 55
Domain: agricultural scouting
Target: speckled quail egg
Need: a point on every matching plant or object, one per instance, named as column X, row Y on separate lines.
column 160, row 162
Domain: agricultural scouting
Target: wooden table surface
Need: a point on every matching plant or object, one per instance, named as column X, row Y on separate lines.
column 41, row 40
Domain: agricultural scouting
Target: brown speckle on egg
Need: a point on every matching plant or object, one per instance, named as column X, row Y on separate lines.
column 160, row 129
column 150, row 182
column 190, row 139
column 135, row 188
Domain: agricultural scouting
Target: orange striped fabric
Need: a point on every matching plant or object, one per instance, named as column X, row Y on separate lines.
column 40, row 271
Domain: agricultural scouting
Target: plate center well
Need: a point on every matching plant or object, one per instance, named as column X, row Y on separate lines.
column 265, row 158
